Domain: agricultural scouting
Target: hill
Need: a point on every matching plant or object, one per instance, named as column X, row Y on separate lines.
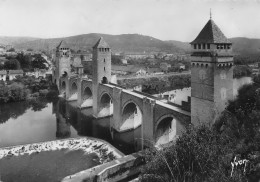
column 246, row 46
column 5, row 40
column 118, row 43
column 182, row 45
column 241, row 46
column 126, row 43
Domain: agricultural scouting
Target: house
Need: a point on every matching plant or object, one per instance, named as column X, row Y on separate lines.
column 165, row 66
column 129, row 69
column 136, row 55
column 181, row 66
column 37, row 73
column 3, row 74
column 124, row 61
column 77, row 65
column 11, row 74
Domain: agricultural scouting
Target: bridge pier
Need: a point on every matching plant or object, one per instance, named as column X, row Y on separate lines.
column 117, row 112
column 95, row 100
column 148, row 122
column 79, row 99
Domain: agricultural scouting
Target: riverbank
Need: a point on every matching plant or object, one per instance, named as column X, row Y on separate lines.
column 24, row 88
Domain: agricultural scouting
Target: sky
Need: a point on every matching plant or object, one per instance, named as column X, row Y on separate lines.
column 163, row 19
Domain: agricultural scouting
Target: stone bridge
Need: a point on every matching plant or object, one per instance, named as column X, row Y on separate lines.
column 159, row 122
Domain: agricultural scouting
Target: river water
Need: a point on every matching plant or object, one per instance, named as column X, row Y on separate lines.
column 45, row 120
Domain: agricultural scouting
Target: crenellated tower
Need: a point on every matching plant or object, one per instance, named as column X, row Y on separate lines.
column 62, row 61
column 101, row 65
column 211, row 74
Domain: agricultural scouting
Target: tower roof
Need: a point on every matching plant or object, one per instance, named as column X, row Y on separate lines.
column 101, row 43
column 62, row 44
column 211, row 34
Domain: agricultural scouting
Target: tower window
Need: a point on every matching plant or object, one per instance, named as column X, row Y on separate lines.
column 104, row 60
column 104, row 68
column 195, row 46
column 208, row 46
column 204, row 46
column 199, row 46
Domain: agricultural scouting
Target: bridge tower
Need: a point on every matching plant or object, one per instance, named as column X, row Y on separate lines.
column 62, row 62
column 101, row 70
column 211, row 74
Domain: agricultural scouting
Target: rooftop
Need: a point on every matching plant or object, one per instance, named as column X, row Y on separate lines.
column 62, row 44
column 3, row 72
column 101, row 44
column 211, row 34
column 15, row 71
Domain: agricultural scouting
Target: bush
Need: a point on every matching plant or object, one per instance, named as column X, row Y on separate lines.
column 196, row 156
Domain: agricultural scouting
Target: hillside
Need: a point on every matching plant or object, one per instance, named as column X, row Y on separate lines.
column 118, row 43
column 182, row 45
column 5, row 40
column 246, row 46
column 126, row 43
column 241, row 46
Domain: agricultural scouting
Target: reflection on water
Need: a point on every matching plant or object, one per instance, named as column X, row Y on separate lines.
column 23, row 122
column 86, row 125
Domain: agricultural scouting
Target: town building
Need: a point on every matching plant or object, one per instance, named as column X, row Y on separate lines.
column 11, row 74
column 3, row 74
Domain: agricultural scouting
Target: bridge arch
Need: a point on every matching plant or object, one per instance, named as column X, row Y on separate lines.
column 106, row 104
column 165, row 129
column 87, row 97
column 74, row 88
column 132, row 116
column 87, row 93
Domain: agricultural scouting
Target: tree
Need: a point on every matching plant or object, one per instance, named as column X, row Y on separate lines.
column 39, row 62
column 12, row 64
column 25, row 61
column 11, row 50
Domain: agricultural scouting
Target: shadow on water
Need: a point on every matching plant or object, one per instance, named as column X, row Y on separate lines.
column 85, row 124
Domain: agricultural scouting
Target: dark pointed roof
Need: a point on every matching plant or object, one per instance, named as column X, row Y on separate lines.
column 101, row 44
column 62, row 44
column 211, row 34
